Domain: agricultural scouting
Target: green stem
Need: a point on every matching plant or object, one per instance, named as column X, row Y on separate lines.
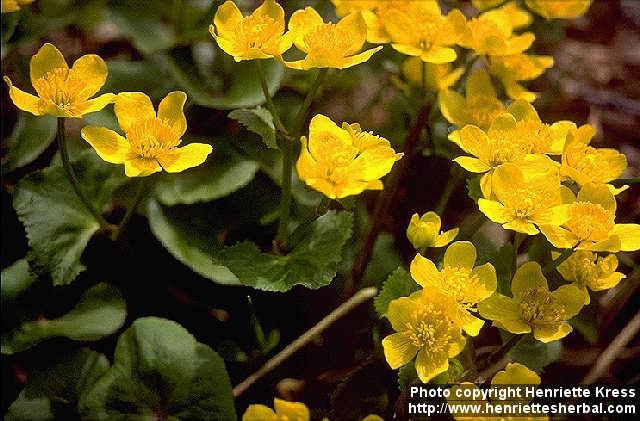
column 267, row 96
column 66, row 164
column 140, row 193
column 449, row 188
column 424, row 80
column 503, row 350
column 517, row 242
column 551, row 266
column 287, row 160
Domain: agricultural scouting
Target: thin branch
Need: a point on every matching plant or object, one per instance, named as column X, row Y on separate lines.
column 344, row 308
column 611, row 353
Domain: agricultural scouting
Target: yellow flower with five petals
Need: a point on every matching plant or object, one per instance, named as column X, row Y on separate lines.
column 585, row 164
column 554, row 9
column 373, row 13
column 591, row 223
column 587, row 269
column 62, row 92
column 458, row 279
column 284, row 410
column 340, row 162
column 260, row 35
column 14, row 5
column 424, row 231
column 479, row 107
column 328, row 45
column 511, row 70
column 533, row 307
column 420, row 30
column 151, row 140
column 524, row 199
column 492, row 32
column 427, row 325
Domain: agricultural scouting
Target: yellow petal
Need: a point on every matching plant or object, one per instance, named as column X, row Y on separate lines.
column 227, row 19
column 559, row 237
column 493, row 210
column 479, row 84
column 327, row 140
column 96, row 104
column 354, row 25
column 430, row 364
column 556, row 215
column 571, row 299
column 548, row 332
column 358, row 58
column 523, row 111
column 446, row 237
column 521, row 225
column 439, row 55
column 398, row 349
column 453, row 107
column 170, row 109
column 474, row 141
column 109, row 145
column 473, row 165
column 400, row 312
column 294, row 411
column 179, row 159
column 461, row 254
column 135, row 166
column 23, row 100
column 505, row 313
column 92, row 71
column 516, row 373
column 488, row 278
column 301, row 23
column 470, row 324
column 424, row 271
column 598, row 193
column 273, row 10
column 131, row 107
column 45, row 60
column 259, row 413
column 629, row 236
column 527, row 277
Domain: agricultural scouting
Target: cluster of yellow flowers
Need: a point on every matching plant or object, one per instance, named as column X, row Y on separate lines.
column 286, row 411
column 151, row 139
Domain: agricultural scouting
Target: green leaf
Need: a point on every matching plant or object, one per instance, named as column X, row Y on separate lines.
column 586, row 323
column 535, row 354
column 140, row 22
column 407, row 375
column 224, row 173
column 244, row 89
column 312, row 262
column 160, row 371
column 16, row 279
column 100, row 312
column 258, row 120
column 398, row 284
column 64, row 382
column 31, row 136
column 384, row 260
column 188, row 244
column 473, row 188
column 503, row 263
column 57, row 224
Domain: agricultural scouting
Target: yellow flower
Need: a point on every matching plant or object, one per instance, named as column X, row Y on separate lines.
column 565, row 9
column 370, row 9
column 591, row 223
column 585, row 164
column 427, row 325
column 587, row 269
column 486, row 4
column 62, row 92
column 458, row 279
column 328, row 44
column 492, row 32
column 258, row 36
column 284, row 411
column 533, row 307
column 151, row 141
column 424, row 231
column 13, row 5
column 518, row 67
column 373, row 417
column 480, row 107
column 420, row 30
column 340, row 162
column 516, row 373
column 439, row 76
column 524, row 199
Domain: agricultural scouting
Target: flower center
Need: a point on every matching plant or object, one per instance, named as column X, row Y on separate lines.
column 259, row 31
column 460, row 283
column 540, row 305
column 483, row 110
column 60, row 87
column 152, row 137
column 590, row 221
column 529, row 199
column 328, row 41
column 507, row 146
column 430, row 328
column 536, row 136
column 590, row 162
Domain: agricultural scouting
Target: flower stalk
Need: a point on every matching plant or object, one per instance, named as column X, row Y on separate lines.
column 142, row 188
column 73, row 180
